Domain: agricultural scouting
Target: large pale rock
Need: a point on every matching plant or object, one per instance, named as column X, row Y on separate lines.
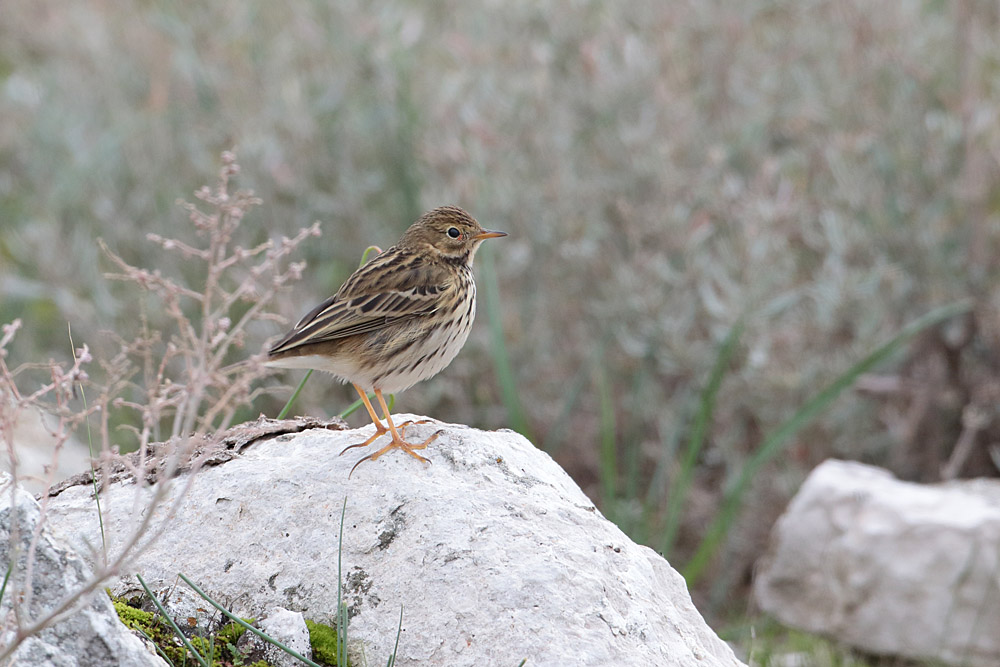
column 91, row 634
column 889, row 566
column 493, row 552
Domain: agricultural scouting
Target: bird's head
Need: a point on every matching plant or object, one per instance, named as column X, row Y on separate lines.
column 450, row 232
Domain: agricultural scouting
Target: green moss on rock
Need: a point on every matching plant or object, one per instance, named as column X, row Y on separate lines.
column 323, row 639
column 222, row 647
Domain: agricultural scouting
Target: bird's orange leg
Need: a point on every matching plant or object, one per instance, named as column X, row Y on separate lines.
column 397, row 442
column 380, row 428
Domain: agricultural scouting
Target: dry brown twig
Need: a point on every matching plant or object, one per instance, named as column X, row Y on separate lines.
column 171, row 375
column 206, row 398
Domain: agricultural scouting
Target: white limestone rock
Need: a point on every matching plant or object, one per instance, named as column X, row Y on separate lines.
column 493, row 552
column 89, row 636
column 889, row 566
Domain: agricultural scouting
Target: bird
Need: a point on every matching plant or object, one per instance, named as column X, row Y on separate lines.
column 399, row 319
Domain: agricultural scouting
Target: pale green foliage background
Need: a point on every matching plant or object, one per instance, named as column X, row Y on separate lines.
column 826, row 169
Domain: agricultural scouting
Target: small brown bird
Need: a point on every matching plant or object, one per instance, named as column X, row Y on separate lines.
column 399, row 319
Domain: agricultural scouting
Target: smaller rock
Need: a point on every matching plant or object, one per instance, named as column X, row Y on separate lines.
column 888, row 566
column 193, row 616
column 287, row 627
column 90, row 636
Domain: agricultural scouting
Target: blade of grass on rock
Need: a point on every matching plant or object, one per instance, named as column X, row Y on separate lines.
column 498, row 348
column 236, row 619
column 170, row 621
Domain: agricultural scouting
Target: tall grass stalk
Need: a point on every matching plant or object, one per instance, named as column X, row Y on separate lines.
column 349, row 410
column 295, row 394
column 352, row 408
column 6, row 578
column 399, row 631
column 661, row 478
column 152, row 642
column 555, row 437
column 341, row 605
column 706, row 408
column 509, row 392
column 90, row 448
column 170, row 621
column 632, row 436
column 777, row 441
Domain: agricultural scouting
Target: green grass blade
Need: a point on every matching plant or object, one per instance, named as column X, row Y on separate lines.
column 631, row 437
column 341, row 607
column 706, row 408
column 660, row 479
column 90, row 446
column 236, row 619
column 295, row 394
column 555, row 437
column 152, row 642
column 498, row 347
column 6, row 578
column 369, row 250
column 177, row 631
column 399, row 631
column 776, row 442
column 353, row 407
column 342, row 638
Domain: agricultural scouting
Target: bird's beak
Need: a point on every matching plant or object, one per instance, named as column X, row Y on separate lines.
column 488, row 234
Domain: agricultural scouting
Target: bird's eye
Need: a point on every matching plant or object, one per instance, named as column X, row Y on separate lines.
column 453, row 232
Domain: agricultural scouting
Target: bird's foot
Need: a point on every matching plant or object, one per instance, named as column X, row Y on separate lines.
column 380, row 430
column 398, row 443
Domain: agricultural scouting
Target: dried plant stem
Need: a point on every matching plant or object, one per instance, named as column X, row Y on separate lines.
column 130, row 550
column 171, row 375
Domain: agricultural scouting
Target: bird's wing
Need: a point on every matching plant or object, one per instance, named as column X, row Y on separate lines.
column 377, row 295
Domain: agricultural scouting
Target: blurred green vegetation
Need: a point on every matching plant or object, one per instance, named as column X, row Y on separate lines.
column 771, row 645
column 823, row 172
